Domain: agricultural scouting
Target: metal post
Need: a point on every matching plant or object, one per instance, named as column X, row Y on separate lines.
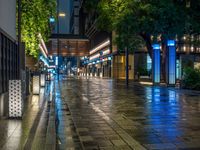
column 127, row 66
column 19, row 37
column 58, row 43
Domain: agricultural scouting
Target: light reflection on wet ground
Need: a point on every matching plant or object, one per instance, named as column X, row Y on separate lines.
column 107, row 115
column 16, row 134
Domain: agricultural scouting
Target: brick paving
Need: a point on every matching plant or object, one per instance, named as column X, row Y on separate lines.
column 104, row 114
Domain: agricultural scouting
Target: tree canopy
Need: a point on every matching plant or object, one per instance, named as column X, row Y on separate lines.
column 34, row 20
column 148, row 20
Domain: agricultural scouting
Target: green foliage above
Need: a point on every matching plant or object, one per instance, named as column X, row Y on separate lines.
column 35, row 20
column 191, row 78
column 91, row 5
column 134, row 20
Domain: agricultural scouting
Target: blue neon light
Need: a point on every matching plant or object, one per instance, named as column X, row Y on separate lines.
column 56, row 60
column 109, row 58
column 172, row 65
column 170, row 43
column 44, row 60
column 156, row 63
column 52, row 20
column 156, row 46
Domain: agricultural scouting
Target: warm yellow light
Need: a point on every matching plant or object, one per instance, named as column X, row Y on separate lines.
column 192, row 48
column 107, row 51
column 146, row 83
column 184, row 48
column 102, row 45
column 61, row 14
column 94, row 56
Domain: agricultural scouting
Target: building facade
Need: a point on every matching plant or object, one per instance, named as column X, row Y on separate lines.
column 9, row 53
column 74, row 16
column 104, row 59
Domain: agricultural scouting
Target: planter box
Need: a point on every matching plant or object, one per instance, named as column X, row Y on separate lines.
column 36, row 84
column 31, row 62
column 15, row 99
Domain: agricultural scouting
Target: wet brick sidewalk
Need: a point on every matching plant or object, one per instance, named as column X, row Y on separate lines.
column 30, row 131
column 104, row 114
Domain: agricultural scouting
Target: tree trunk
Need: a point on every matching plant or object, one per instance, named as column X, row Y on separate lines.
column 127, row 66
column 147, row 39
column 163, row 62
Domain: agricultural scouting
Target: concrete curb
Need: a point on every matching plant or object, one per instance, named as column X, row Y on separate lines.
column 50, row 143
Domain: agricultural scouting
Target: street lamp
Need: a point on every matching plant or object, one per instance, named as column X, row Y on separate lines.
column 59, row 14
column 58, row 45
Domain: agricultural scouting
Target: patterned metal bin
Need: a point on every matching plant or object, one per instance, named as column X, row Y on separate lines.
column 15, row 99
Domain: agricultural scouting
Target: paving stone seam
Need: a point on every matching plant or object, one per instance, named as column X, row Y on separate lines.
column 82, row 146
column 78, row 96
column 135, row 146
column 146, row 117
column 50, row 142
column 30, row 138
column 3, row 145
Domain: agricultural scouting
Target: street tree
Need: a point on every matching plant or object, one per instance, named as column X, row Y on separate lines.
column 149, row 21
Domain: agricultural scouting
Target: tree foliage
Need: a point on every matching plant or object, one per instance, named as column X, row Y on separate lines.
column 191, row 79
column 34, row 20
column 151, row 20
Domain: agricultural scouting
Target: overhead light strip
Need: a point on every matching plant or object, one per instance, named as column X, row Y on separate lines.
column 106, row 43
column 42, row 50
column 43, row 44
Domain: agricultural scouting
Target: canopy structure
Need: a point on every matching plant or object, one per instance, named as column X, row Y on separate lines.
column 69, row 45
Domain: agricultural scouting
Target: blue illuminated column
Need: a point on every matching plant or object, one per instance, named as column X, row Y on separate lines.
column 171, row 57
column 156, row 63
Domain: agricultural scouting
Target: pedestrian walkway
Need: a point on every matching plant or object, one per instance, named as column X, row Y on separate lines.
column 67, row 137
column 29, row 132
column 106, row 115
column 98, row 114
